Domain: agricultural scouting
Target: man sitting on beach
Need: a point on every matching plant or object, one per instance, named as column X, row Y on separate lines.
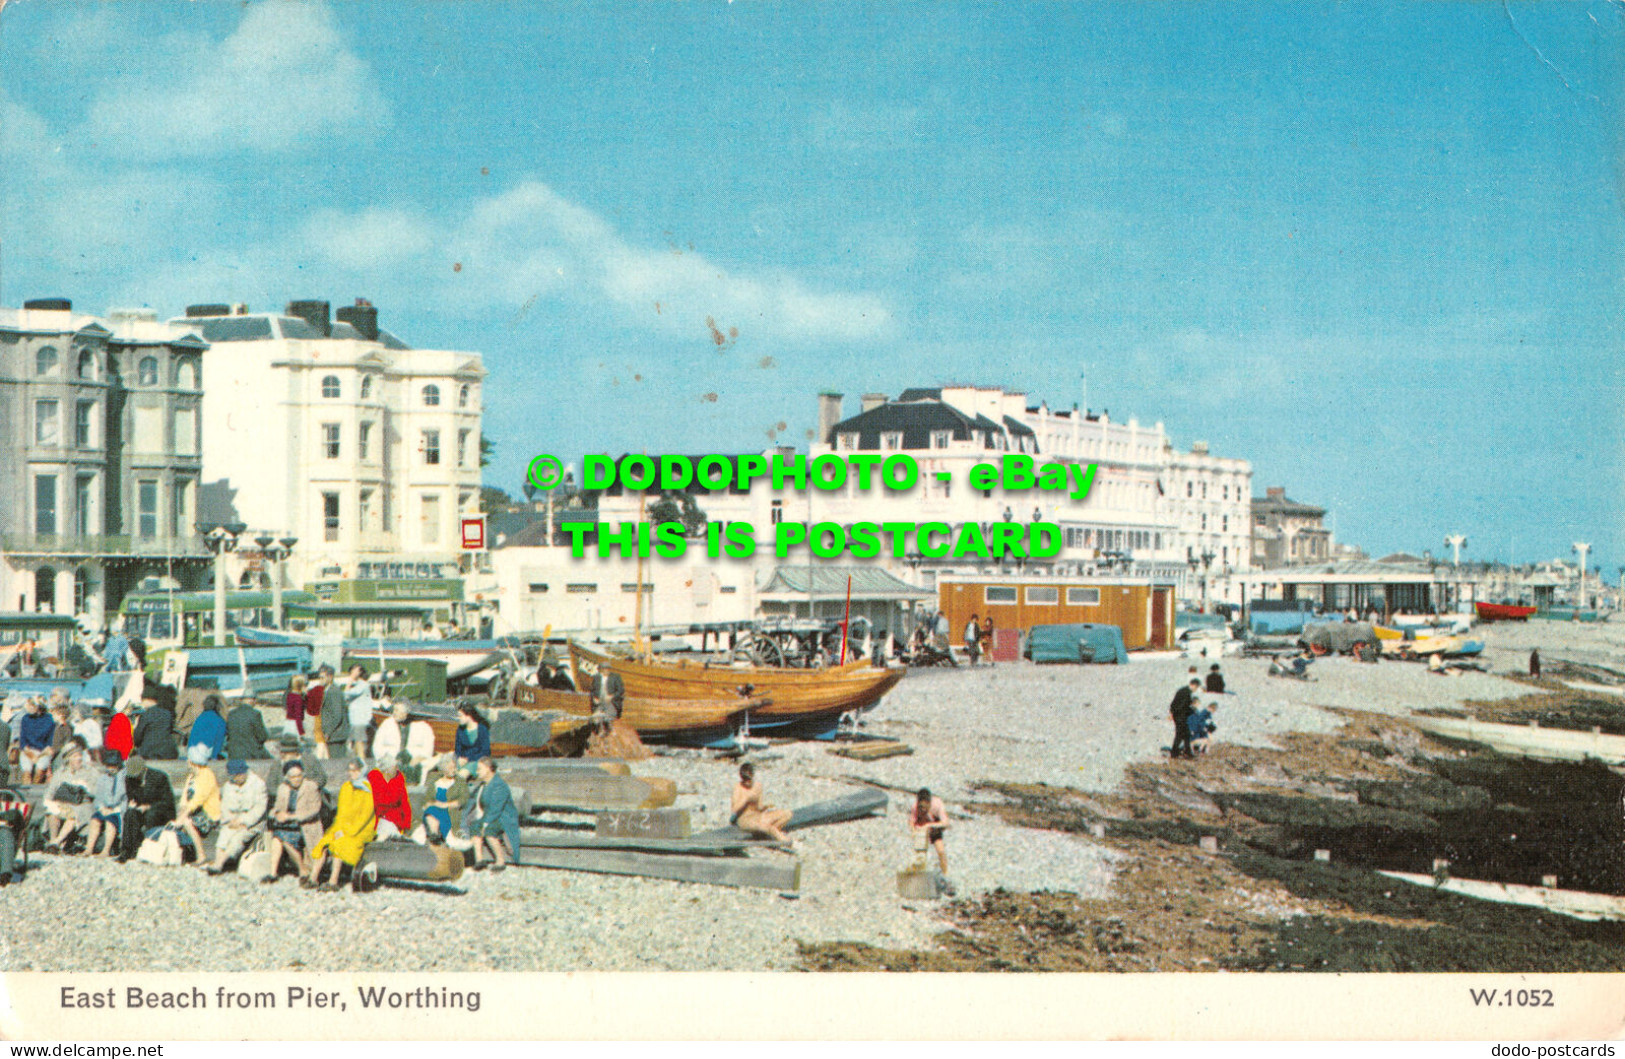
column 749, row 810
column 1215, row 681
column 150, row 803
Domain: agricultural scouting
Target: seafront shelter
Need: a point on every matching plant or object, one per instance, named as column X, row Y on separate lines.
column 882, row 598
column 1366, row 585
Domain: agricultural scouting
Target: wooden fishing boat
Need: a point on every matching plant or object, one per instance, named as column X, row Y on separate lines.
column 514, row 733
column 813, row 697
column 1502, row 612
column 1426, row 646
column 652, row 718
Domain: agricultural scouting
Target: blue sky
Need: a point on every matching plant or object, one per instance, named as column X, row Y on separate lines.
column 1375, row 249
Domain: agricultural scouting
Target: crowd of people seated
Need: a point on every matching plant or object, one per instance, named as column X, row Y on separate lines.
column 107, row 795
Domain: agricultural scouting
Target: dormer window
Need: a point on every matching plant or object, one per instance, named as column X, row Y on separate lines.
column 941, row 438
column 846, row 442
column 891, row 441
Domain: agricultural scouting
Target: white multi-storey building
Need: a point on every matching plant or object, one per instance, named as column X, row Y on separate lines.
column 339, row 434
column 1151, row 510
column 1209, row 499
column 99, row 457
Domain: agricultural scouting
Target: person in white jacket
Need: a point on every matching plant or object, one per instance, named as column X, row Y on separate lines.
column 243, row 805
column 358, row 704
column 411, row 743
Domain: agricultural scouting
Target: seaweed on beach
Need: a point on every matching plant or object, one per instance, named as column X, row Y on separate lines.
column 1463, row 933
column 1375, row 797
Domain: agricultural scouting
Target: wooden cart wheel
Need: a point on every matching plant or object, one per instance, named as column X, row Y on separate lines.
column 767, row 651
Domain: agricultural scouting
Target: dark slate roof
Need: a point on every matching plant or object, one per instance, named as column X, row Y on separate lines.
column 1016, row 426
column 532, row 535
column 510, row 523
column 921, row 393
column 914, row 419
column 1286, row 506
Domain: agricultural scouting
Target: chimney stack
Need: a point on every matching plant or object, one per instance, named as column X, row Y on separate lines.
column 1276, row 492
column 873, row 400
column 829, row 413
column 314, row 313
column 362, row 316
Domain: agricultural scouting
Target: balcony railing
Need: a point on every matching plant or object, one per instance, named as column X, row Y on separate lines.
column 97, row 544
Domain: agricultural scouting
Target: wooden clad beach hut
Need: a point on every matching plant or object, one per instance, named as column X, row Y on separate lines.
column 1141, row 607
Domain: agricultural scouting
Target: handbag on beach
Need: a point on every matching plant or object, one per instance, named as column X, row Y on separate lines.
column 161, row 847
column 255, row 863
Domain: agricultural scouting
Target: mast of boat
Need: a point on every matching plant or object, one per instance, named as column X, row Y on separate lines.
column 846, row 621
column 812, row 608
column 638, row 645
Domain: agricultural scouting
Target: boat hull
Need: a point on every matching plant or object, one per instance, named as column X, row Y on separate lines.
column 799, row 698
column 649, row 717
column 1502, row 612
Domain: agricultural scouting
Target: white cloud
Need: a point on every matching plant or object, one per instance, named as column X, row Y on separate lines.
column 377, row 238
column 282, row 79
column 67, row 212
column 531, row 243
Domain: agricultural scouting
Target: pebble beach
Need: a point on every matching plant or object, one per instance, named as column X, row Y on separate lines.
column 1066, row 726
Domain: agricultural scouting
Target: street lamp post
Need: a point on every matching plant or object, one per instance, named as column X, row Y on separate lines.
column 276, row 551
column 1583, row 548
column 1207, row 563
column 220, row 539
column 1455, row 542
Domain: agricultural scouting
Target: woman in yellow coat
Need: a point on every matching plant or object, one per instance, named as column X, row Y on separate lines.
column 354, row 825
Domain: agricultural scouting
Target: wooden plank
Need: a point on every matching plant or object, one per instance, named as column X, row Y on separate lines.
column 1553, row 744
column 645, row 823
column 1577, row 903
column 565, row 766
column 718, row 846
column 834, row 811
column 596, row 792
column 874, row 751
column 715, row 871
